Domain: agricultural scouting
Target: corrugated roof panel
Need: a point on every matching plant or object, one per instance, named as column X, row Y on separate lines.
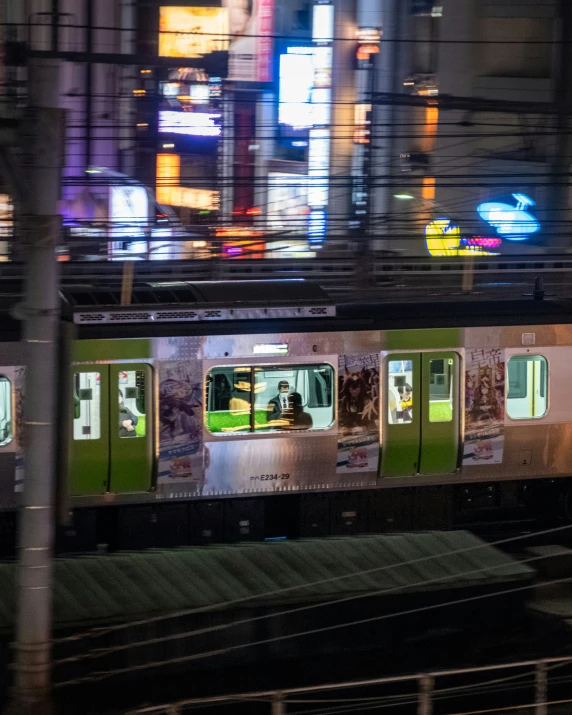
column 96, row 589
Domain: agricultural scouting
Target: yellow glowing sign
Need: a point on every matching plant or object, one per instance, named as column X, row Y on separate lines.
column 189, row 198
column 169, row 192
column 443, row 238
column 192, row 31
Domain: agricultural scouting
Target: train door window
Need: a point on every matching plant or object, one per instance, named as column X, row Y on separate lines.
column 131, row 394
column 5, row 411
column 527, row 396
column 87, row 405
column 228, row 399
column 400, row 391
column 441, row 390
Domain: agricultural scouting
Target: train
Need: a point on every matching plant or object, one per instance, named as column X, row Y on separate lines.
column 209, row 412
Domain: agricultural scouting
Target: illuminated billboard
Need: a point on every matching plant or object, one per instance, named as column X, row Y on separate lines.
column 323, row 23
column 318, row 167
column 251, row 24
column 192, row 31
column 287, row 202
column 200, row 124
column 128, row 208
column 295, row 88
column 171, row 193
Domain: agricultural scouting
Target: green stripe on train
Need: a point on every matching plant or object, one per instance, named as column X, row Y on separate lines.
column 431, row 339
column 105, row 350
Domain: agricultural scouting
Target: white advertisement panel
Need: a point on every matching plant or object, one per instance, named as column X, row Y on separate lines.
column 287, row 208
column 318, row 167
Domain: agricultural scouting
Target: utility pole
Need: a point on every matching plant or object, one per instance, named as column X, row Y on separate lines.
column 40, row 312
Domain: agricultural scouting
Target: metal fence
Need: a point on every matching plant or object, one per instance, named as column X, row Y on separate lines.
column 535, row 687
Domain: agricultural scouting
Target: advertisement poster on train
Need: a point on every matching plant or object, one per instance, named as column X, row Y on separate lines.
column 358, row 414
column 180, row 429
column 484, row 406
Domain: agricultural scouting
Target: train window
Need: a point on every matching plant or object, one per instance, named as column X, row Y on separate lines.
column 441, row 390
column 400, row 391
column 87, row 405
column 284, row 397
column 131, row 388
column 228, row 399
column 527, row 396
column 5, row 411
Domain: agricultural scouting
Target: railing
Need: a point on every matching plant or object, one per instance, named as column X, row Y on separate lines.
column 526, row 681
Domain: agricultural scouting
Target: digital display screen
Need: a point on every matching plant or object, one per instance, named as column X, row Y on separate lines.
column 189, row 123
column 192, row 31
column 295, row 88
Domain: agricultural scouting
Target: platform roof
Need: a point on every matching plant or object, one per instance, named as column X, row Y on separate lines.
column 119, row 587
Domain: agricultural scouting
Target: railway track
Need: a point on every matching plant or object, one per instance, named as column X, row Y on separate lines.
column 346, row 277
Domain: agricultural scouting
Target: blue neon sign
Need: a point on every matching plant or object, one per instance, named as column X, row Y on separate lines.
column 514, row 223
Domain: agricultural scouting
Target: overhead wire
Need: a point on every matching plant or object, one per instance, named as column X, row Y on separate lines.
column 101, row 675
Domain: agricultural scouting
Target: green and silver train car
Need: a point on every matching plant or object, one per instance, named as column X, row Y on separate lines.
column 214, row 411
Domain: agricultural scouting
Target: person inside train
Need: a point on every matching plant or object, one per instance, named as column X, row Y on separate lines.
column 406, row 397
column 127, row 420
column 298, row 419
column 279, row 407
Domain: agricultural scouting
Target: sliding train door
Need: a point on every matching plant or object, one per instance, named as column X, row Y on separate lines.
column 421, row 415
column 89, row 446
column 112, row 432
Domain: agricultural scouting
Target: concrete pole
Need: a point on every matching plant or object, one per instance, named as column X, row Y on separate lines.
column 31, row 691
column 541, row 688
column 425, row 695
column 278, row 706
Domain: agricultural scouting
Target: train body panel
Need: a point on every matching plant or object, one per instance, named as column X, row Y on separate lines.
column 188, row 417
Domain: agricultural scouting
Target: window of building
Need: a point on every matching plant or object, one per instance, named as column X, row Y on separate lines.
column 132, row 419
column 5, row 411
column 269, row 398
column 87, row 405
column 400, row 391
column 441, row 373
column 527, row 396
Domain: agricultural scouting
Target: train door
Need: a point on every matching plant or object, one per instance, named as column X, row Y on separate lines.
column 421, row 414
column 112, row 440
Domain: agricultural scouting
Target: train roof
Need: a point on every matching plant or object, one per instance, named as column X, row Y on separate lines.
column 255, row 307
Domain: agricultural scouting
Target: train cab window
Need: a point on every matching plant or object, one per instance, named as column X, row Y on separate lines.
column 441, row 373
column 131, row 389
column 5, row 411
column 87, row 405
column 527, row 396
column 270, row 398
column 400, row 391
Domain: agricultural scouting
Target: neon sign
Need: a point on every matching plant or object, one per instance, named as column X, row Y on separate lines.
column 514, row 223
column 443, row 238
